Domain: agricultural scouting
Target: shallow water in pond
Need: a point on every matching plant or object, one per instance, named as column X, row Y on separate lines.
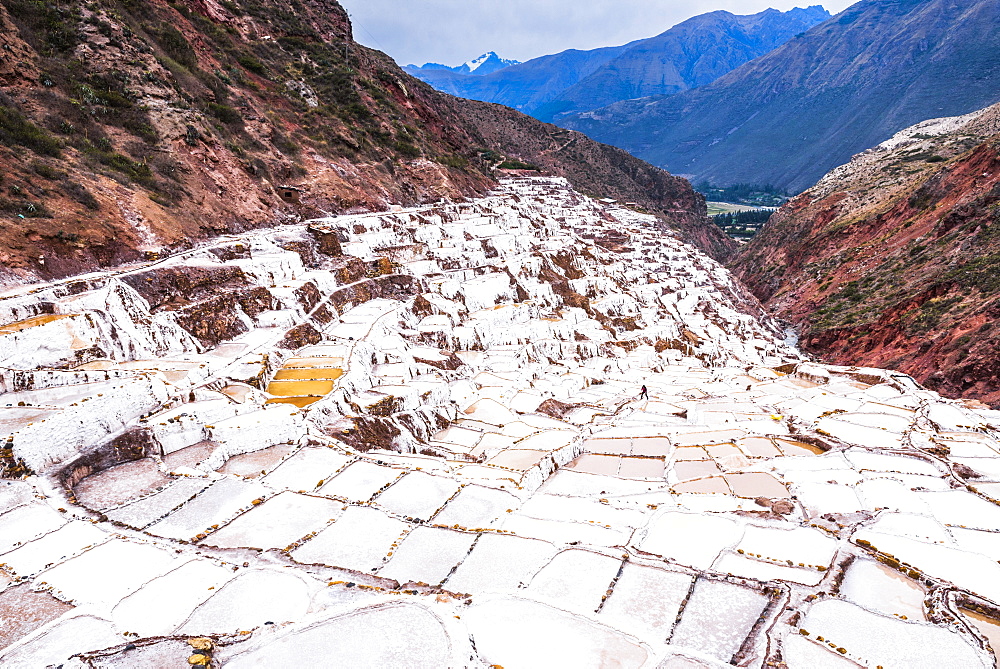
column 310, row 363
column 715, row 484
column 33, row 322
column 987, row 626
column 300, row 388
column 517, row 458
column 756, row 484
column 305, row 373
column 695, row 469
column 609, row 446
column 606, row 465
column 791, row 447
column 760, row 447
column 297, row 401
column 654, row 446
column 641, row 468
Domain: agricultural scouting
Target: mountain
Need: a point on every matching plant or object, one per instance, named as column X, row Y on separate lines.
column 893, row 259
column 133, row 128
column 487, row 63
column 692, row 53
column 526, row 86
column 846, row 84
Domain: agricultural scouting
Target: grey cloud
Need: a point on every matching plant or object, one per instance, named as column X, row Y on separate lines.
column 453, row 31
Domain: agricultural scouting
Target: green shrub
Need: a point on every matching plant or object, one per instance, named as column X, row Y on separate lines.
column 406, row 149
column 252, row 64
column 518, row 165
column 225, row 113
column 458, row 162
column 15, row 129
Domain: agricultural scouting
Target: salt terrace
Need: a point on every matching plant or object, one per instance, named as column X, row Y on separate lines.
column 417, row 439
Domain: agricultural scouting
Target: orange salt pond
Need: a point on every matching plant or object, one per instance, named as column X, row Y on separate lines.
column 303, row 381
column 315, row 388
column 33, row 322
column 300, row 402
column 756, row 484
column 304, row 373
column 311, row 363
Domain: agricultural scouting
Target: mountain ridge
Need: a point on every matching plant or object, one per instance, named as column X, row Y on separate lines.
column 848, row 83
column 691, row 53
column 487, row 63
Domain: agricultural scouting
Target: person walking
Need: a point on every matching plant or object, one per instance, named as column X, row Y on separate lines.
column 644, row 393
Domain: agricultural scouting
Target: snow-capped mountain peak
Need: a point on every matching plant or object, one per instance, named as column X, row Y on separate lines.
column 477, row 63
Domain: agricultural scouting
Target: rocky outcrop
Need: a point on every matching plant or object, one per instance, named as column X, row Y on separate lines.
column 892, row 259
column 132, row 130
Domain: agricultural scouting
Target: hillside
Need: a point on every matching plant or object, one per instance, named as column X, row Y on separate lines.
column 846, row 84
column 893, row 260
column 692, row 53
column 129, row 128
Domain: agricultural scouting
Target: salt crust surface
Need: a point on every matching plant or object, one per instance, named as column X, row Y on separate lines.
column 705, row 525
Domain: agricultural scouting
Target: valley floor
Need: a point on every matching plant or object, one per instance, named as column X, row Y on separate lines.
column 419, row 438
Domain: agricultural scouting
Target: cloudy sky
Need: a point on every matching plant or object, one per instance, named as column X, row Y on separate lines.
column 454, row 31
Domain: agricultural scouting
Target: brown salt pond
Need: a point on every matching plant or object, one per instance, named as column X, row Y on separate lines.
column 792, row 447
column 987, row 626
column 120, row 484
column 33, row 322
column 756, row 484
column 258, row 463
column 24, row 610
column 520, row 459
column 13, row 419
column 189, row 456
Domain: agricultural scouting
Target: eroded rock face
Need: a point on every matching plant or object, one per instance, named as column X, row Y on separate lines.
column 459, row 449
column 891, row 260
